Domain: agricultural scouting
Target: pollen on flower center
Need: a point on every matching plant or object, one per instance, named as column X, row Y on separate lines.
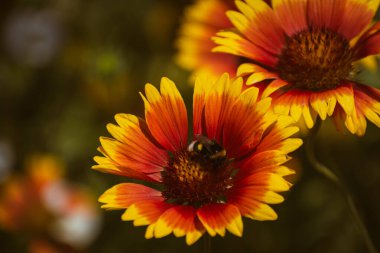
column 193, row 178
column 316, row 59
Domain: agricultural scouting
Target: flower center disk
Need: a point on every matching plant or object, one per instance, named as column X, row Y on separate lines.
column 197, row 178
column 316, row 59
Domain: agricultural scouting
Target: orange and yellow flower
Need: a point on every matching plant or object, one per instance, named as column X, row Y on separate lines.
column 232, row 168
column 201, row 21
column 304, row 55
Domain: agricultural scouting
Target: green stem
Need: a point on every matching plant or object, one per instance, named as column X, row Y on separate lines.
column 207, row 243
column 328, row 174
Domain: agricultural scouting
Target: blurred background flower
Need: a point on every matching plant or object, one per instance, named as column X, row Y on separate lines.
column 32, row 37
column 201, row 21
column 68, row 66
column 46, row 210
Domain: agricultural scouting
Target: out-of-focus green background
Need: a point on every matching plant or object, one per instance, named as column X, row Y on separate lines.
column 68, row 66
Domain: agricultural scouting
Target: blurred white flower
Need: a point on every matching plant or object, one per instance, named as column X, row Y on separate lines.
column 77, row 220
column 6, row 159
column 32, row 37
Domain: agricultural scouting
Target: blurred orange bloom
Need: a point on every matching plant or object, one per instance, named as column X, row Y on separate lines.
column 42, row 204
column 201, row 21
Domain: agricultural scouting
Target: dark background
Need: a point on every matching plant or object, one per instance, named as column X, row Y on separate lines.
column 68, row 66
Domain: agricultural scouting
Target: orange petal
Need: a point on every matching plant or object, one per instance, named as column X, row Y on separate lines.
column 260, row 161
column 232, row 43
column 181, row 221
column 202, row 20
column 107, row 165
column 166, row 115
column 278, row 137
column 360, row 11
column 244, row 127
column 216, row 218
column 272, row 87
column 282, row 102
column 319, row 103
column 132, row 148
column 123, row 195
column 252, row 192
column 145, row 212
column 259, row 24
column 219, row 103
column 266, row 180
column 126, row 157
column 369, row 43
column 247, row 68
column 367, row 100
column 201, row 90
column 345, row 96
column 297, row 103
column 259, row 77
column 292, row 15
column 259, row 192
column 246, row 200
column 326, row 13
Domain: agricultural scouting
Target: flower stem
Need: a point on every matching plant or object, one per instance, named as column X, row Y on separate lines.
column 207, row 243
column 330, row 175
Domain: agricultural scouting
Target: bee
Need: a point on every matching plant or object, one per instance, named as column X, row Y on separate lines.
column 207, row 148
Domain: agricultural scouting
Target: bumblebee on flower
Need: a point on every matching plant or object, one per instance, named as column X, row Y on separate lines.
column 233, row 167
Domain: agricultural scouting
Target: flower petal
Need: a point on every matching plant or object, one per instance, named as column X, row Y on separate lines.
column 107, row 165
column 219, row 104
column 166, row 115
column 202, row 20
column 145, row 212
column 362, row 11
column 133, row 149
column 216, row 218
column 326, row 13
column 181, row 220
column 319, row 104
column 201, row 90
column 248, row 68
column 266, row 180
column 232, row 43
column 369, row 43
column 278, row 137
column 273, row 86
column 292, row 15
column 296, row 104
column 258, row 23
column 367, row 104
column 250, row 201
column 252, row 193
column 259, row 77
column 243, row 129
column 123, row 195
column 261, row 159
column 345, row 97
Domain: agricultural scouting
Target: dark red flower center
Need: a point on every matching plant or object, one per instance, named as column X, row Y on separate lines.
column 197, row 177
column 316, row 59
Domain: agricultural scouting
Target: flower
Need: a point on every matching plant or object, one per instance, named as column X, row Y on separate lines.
column 233, row 167
column 201, row 21
column 33, row 37
column 51, row 212
column 303, row 54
